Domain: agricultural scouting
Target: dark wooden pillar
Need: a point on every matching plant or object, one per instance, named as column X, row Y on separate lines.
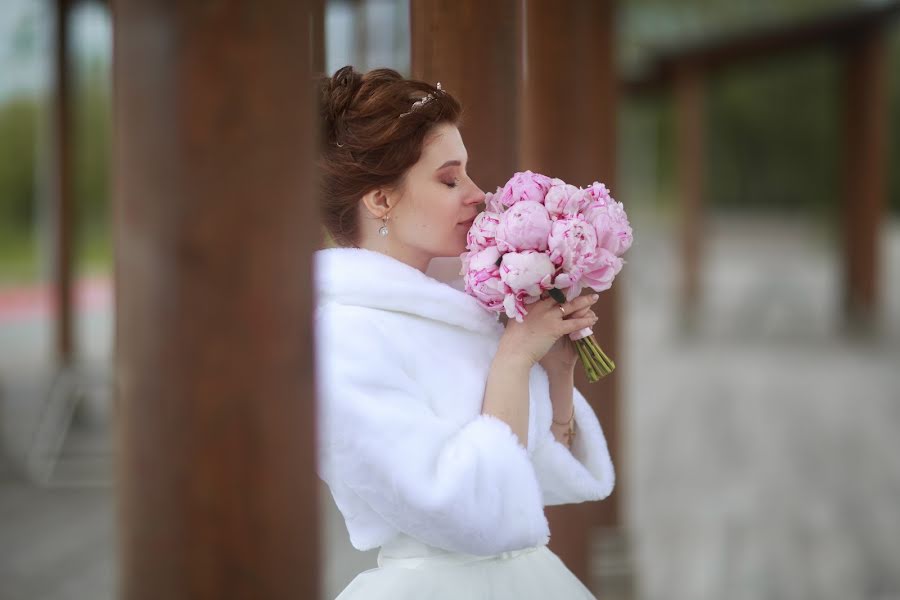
column 472, row 48
column 690, row 156
column 865, row 117
column 569, row 119
column 215, row 222
column 63, row 209
column 317, row 37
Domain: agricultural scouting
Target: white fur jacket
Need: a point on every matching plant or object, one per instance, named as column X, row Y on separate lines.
column 402, row 362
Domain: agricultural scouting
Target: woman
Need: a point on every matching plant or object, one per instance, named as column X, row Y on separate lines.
column 442, row 432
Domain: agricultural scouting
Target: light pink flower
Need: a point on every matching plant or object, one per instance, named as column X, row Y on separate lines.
column 524, row 186
column 598, row 193
column 527, row 275
column 603, row 271
column 483, row 231
column 524, row 226
column 482, row 278
column 492, row 201
column 573, row 245
column 614, row 232
column 565, row 200
column 569, row 283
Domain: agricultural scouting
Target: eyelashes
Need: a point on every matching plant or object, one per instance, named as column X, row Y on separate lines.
column 452, row 185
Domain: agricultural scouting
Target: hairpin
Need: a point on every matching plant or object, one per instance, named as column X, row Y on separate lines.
column 422, row 102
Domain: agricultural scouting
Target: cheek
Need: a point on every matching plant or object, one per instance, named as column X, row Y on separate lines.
column 446, row 218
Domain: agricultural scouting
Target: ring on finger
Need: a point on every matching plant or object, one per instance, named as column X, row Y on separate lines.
column 560, row 307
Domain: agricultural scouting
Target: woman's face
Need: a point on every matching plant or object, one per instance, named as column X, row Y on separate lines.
column 431, row 214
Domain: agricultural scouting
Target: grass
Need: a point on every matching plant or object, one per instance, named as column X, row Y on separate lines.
column 20, row 261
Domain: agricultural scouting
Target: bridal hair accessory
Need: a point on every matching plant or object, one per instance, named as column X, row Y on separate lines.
column 420, row 103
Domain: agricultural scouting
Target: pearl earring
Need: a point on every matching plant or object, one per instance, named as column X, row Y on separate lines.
column 384, row 230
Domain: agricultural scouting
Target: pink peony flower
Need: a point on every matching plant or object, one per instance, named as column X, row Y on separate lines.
column 527, row 275
column 524, row 186
column 565, row 200
column 570, row 285
column 614, row 232
column 524, row 226
column 573, row 245
column 602, row 273
column 482, row 278
column 598, row 193
column 483, row 231
column 492, row 201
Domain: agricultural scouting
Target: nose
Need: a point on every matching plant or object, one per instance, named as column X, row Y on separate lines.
column 477, row 197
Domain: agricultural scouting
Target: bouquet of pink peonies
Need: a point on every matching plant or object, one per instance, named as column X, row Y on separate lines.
column 542, row 237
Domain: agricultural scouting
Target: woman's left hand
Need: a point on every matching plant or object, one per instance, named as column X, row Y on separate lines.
column 562, row 355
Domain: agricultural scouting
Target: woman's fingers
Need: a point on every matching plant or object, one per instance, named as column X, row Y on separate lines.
column 578, row 323
column 578, row 304
column 584, row 312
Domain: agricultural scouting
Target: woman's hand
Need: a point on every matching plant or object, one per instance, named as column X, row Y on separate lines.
column 562, row 355
column 542, row 327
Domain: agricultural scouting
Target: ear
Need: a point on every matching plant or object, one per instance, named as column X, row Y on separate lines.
column 377, row 203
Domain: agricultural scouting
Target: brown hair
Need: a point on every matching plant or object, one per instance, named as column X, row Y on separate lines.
column 365, row 144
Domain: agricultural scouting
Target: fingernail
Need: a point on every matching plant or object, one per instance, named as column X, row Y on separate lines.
column 594, row 296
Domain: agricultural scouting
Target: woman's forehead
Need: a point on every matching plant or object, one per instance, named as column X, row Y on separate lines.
column 445, row 145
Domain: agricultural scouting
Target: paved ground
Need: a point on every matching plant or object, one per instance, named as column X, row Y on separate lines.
column 763, row 453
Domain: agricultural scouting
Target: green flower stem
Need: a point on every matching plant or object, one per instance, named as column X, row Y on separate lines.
column 596, row 364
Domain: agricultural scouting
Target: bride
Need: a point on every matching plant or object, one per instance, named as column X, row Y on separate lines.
column 442, row 432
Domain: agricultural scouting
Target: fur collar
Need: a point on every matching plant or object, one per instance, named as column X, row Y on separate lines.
column 362, row 277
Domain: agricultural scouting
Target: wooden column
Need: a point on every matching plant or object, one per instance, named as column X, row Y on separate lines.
column 472, row 48
column 690, row 157
column 317, row 37
column 569, row 119
column 215, row 222
column 865, row 119
column 63, row 210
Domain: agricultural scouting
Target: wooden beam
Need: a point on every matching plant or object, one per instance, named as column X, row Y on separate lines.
column 690, row 157
column 215, row 225
column 569, row 131
column 63, row 200
column 731, row 48
column 865, row 126
column 472, row 48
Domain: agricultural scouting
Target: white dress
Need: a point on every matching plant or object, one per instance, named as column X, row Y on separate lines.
column 409, row 569
column 450, row 496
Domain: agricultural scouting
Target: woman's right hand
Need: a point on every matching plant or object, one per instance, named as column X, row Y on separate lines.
column 531, row 339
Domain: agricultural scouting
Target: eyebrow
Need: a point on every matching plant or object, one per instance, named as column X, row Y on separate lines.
column 449, row 163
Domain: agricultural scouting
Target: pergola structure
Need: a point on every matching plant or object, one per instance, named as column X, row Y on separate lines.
column 857, row 38
column 215, row 223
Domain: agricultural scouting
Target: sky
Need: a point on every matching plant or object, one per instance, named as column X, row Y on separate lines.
column 26, row 30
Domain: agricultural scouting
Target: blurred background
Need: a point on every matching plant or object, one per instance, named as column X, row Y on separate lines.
column 760, row 407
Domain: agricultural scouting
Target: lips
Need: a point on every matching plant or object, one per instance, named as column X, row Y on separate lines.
column 470, row 221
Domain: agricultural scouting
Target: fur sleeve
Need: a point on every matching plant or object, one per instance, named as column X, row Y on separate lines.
column 466, row 488
column 584, row 473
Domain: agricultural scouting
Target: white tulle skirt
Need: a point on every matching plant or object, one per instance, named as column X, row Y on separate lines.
column 408, row 569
